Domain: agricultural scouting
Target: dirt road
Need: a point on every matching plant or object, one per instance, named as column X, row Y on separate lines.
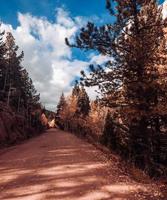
column 59, row 166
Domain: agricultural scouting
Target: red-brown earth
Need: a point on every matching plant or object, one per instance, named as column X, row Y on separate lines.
column 59, row 166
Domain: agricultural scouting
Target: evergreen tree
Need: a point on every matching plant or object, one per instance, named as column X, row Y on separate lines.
column 59, row 117
column 13, row 71
column 131, row 82
column 76, row 89
column 21, row 93
column 2, row 66
column 16, row 88
column 83, row 103
column 133, row 42
column 109, row 134
column 61, row 104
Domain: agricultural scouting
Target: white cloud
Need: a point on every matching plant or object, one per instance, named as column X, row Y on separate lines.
column 164, row 9
column 47, row 59
column 163, row 6
column 98, row 59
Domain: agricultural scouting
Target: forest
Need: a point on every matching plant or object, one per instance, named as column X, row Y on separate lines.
column 20, row 108
column 108, row 147
column 130, row 117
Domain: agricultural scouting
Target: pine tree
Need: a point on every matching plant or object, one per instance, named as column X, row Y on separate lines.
column 61, row 104
column 133, row 42
column 83, row 103
column 59, row 117
column 16, row 88
column 131, row 82
column 76, row 89
column 2, row 66
column 109, row 134
column 13, row 71
column 21, row 93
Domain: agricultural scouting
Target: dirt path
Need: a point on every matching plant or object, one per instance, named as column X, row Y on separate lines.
column 60, row 166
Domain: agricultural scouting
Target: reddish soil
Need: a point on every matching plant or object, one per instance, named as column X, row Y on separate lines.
column 59, row 166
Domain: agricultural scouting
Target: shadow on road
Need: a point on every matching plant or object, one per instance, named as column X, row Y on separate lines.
column 59, row 166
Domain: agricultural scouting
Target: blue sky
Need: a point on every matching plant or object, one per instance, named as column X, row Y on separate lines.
column 39, row 27
column 9, row 9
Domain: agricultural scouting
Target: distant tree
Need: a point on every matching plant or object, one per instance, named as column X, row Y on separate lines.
column 82, row 99
column 96, row 117
column 83, row 103
column 97, row 111
column 76, row 89
column 61, row 104
column 60, row 112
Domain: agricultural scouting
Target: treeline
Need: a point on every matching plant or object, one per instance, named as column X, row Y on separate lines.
column 17, row 92
column 133, row 83
column 76, row 113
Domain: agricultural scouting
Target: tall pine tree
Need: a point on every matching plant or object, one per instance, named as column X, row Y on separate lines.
column 2, row 66
column 131, row 82
column 83, row 102
column 13, row 71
